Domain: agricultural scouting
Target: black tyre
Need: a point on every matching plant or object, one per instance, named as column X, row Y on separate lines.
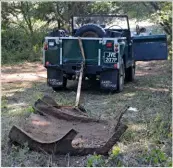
column 121, row 77
column 61, row 87
column 130, row 74
column 90, row 30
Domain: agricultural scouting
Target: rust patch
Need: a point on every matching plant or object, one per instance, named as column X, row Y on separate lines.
column 58, row 129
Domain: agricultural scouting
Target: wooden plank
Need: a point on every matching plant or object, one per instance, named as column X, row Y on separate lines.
column 81, row 74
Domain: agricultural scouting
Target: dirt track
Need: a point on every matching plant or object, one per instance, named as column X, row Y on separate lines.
column 149, row 97
column 21, row 73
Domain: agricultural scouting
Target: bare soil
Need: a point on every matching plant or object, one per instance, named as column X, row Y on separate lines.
column 149, row 97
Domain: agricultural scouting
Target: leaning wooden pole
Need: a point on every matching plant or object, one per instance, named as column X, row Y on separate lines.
column 81, row 73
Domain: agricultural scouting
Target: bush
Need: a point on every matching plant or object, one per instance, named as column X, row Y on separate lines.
column 156, row 157
column 18, row 46
column 95, row 161
column 114, row 159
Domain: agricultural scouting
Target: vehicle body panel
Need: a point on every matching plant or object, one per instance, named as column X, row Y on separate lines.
column 71, row 51
column 66, row 51
column 152, row 47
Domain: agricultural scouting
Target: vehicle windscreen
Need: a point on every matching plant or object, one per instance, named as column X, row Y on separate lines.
column 107, row 22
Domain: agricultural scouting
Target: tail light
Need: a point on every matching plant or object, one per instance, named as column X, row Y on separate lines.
column 109, row 45
column 115, row 66
column 45, row 46
column 47, row 63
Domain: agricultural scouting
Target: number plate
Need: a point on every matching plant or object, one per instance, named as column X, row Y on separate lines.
column 110, row 57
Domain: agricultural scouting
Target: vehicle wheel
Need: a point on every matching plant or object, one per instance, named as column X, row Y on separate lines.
column 130, row 74
column 61, row 87
column 121, row 77
column 90, row 30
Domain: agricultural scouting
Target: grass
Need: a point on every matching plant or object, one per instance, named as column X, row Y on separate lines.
column 149, row 130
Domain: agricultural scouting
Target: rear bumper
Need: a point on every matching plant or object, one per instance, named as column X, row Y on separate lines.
column 89, row 69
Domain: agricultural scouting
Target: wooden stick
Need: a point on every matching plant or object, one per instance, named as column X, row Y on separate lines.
column 82, row 50
column 81, row 74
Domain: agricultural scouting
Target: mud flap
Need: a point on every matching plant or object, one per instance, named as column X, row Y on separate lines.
column 108, row 79
column 54, row 77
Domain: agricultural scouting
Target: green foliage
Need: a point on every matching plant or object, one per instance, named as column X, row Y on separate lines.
column 156, row 157
column 4, row 103
column 115, row 151
column 30, row 109
column 114, row 159
column 19, row 46
column 129, row 135
column 95, row 161
column 159, row 128
column 102, row 7
column 19, row 154
column 137, row 10
column 38, row 95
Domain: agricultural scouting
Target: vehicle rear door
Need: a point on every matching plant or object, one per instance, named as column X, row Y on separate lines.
column 150, row 47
